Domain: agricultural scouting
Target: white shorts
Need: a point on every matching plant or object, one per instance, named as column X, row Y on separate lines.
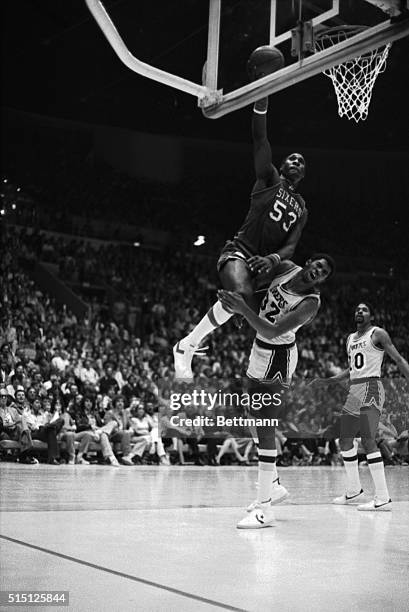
column 364, row 392
column 274, row 363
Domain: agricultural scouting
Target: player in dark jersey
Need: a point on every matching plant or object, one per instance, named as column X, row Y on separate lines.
column 269, row 233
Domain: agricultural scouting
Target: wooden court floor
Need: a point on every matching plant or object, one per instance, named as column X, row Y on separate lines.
column 164, row 538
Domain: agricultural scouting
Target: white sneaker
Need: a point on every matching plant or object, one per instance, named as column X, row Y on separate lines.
column 261, row 516
column 252, row 506
column 345, row 500
column 183, row 353
column 82, row 461
column 113, row 461
column 278, row 494
column 376, row 505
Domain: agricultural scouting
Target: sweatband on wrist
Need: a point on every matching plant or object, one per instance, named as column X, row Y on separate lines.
column 260, row 106
column 275, row 258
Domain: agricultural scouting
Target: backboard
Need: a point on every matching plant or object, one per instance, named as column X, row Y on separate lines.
column 236, row 27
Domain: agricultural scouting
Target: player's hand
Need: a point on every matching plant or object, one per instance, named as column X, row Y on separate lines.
column 232, row 301
column 260, row 265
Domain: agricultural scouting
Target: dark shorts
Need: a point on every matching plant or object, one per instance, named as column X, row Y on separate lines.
column 233, row 249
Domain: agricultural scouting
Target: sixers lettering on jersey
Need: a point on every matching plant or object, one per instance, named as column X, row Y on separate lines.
column 274, row 213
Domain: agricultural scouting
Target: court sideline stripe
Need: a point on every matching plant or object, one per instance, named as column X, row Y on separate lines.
column 156, row 585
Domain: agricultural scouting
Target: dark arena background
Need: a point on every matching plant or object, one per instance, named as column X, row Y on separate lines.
column 117, row 196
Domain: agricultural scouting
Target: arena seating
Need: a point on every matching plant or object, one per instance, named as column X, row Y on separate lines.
column 149, row 299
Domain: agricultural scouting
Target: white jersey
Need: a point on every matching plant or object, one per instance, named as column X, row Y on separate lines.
column 365, row 359
column 279, row 301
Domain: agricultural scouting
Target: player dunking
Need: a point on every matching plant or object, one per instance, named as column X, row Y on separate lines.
column 269, row 233
column 292, row 300
column 366, row 348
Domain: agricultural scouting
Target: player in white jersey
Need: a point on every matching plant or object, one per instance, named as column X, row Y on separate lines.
column 292, row 300
column 278, row 302
column 360, row 414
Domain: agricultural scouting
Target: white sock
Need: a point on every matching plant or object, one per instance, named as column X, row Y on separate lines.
column 274, row 473
column 215, row 317
column 351, row 468
column 253, row 432
column 376, row 467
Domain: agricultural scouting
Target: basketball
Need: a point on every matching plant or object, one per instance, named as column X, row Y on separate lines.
column 264, row 60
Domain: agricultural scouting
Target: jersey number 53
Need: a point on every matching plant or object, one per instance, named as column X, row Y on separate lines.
column 279, row 208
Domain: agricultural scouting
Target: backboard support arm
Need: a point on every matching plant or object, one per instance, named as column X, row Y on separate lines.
column 111, row 33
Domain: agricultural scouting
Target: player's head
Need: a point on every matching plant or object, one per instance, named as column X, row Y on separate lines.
column 293, row 167
column 364, row 313
column 318, row 268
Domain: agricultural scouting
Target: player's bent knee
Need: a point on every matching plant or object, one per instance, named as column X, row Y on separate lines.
column 346, row 444
column 369, row 445
column 235, row 276
column 266, row 438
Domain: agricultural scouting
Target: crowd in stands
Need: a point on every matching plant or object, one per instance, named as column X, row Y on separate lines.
column 65, row 186
column 103, row 381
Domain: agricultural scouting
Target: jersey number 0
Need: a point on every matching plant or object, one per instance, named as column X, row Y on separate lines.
column 359, row 361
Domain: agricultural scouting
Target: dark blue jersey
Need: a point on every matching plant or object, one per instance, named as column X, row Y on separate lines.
column 274, row 213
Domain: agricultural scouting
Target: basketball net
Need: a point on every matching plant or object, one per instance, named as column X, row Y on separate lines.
column 354, row 79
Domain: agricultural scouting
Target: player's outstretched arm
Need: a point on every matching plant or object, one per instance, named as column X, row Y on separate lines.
column 381, row 338
column 331, row 380
column 266, row 172
column 304, row 313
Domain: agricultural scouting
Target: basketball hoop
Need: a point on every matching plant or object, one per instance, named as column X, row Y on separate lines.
column 354, row 79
